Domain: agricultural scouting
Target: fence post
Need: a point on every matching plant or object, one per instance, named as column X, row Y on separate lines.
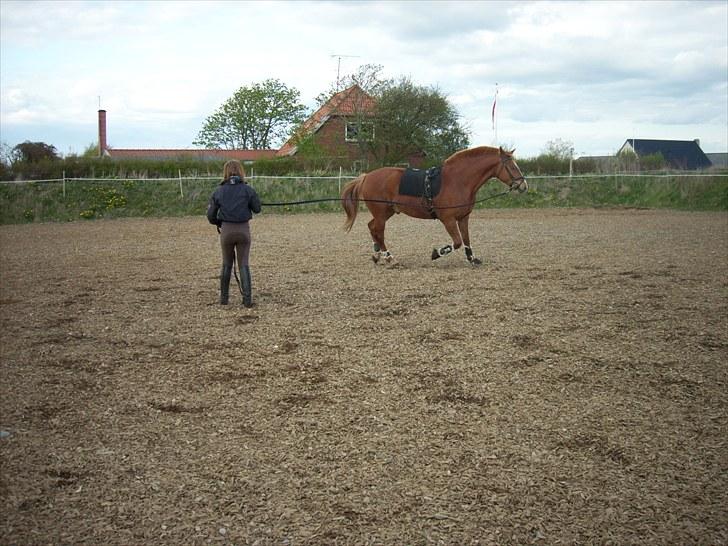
column 340, row 170
column 64, row 184
column 179, row 171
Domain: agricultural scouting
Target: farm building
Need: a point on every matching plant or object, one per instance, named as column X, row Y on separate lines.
column 339, row 129
column 245, row 156
column 718, row 159
column 678, row 154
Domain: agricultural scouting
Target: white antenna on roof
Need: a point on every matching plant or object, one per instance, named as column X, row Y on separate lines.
column 338, row 66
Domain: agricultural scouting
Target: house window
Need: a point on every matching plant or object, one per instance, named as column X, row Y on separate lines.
column 359, row 131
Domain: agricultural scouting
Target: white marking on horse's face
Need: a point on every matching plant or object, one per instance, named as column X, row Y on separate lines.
column 523, row 186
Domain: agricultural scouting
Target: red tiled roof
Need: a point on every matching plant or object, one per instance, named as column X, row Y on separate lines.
column 240, row 155
column 350, row 101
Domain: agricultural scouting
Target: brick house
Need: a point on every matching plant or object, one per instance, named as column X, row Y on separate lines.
column 340, row 127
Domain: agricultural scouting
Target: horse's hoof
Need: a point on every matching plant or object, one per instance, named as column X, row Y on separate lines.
column 375, row 259
column 475, row 261
column 435, row 254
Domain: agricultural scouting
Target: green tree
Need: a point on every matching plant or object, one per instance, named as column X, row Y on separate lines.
column 254, row 118
column 407, row 119
column 6, row 154
column 412, row 118
column 92, row 150
column 34, row 152
column 559, row 149
column 628, row 161
column 652, row 162
column 6, row 159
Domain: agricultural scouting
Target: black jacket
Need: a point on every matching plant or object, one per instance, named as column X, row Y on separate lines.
column 234, row 201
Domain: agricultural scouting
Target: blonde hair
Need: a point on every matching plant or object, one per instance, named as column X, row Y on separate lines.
column 233, row 168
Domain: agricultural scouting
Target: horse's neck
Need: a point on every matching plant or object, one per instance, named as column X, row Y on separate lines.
column 476, row 173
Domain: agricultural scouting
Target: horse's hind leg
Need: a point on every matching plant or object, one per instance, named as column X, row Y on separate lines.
column 464, row 232
column 378, row 239
column 376, row 228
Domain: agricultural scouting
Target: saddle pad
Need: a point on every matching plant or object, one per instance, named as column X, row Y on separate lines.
column 413, row 182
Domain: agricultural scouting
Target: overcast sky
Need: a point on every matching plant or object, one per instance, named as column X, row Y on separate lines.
column 589, row 73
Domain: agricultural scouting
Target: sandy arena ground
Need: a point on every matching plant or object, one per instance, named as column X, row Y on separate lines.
column 572, row 390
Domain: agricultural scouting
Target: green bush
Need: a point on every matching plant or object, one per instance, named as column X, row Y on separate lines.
column 310, row 159
column 282, row 166
column 544, row 164
column 96, row 167
column 43, row 202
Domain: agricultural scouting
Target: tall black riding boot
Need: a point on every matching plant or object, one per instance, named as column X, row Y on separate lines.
column 247, row 286
column 225, row 283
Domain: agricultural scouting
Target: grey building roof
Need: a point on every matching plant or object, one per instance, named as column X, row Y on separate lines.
column 718, row 159
column 679, row 154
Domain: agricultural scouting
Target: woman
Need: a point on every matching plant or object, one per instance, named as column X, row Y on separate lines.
column 231, row 207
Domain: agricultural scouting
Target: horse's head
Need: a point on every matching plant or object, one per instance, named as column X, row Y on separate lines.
column 509, row 173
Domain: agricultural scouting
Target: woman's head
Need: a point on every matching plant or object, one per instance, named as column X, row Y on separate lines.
column 233, row 168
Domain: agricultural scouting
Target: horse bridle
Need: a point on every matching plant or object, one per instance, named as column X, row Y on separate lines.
column 515, row 180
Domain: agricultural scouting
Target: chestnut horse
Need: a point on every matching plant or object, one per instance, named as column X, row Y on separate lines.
column 462, row 175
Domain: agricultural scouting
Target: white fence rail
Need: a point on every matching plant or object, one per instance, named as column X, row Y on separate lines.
column 350, row 177
column 180, row 179
column 175, row 179
column 341, row 177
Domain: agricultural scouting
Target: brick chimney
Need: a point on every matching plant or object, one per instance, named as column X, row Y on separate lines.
column 102, row 133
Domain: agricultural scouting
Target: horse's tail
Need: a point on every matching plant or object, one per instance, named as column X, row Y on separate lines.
column 350, row 200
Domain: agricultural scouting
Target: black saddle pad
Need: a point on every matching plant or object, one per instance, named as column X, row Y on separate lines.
column 420, row 183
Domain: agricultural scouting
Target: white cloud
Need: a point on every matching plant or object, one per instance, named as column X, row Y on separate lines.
column 593, row 71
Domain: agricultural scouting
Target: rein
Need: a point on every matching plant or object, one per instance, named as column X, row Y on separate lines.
column 388, row 202
column 516, row 179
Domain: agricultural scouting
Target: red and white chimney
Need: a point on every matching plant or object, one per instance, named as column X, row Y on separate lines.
column 102, row 133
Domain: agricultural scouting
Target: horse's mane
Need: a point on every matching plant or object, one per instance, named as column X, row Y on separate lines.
column 477, row 151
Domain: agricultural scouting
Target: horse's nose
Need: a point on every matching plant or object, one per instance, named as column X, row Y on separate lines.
column 523, row 186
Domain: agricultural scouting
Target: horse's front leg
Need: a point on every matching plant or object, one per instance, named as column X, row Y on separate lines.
column 464, row 232
column 451, row 225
